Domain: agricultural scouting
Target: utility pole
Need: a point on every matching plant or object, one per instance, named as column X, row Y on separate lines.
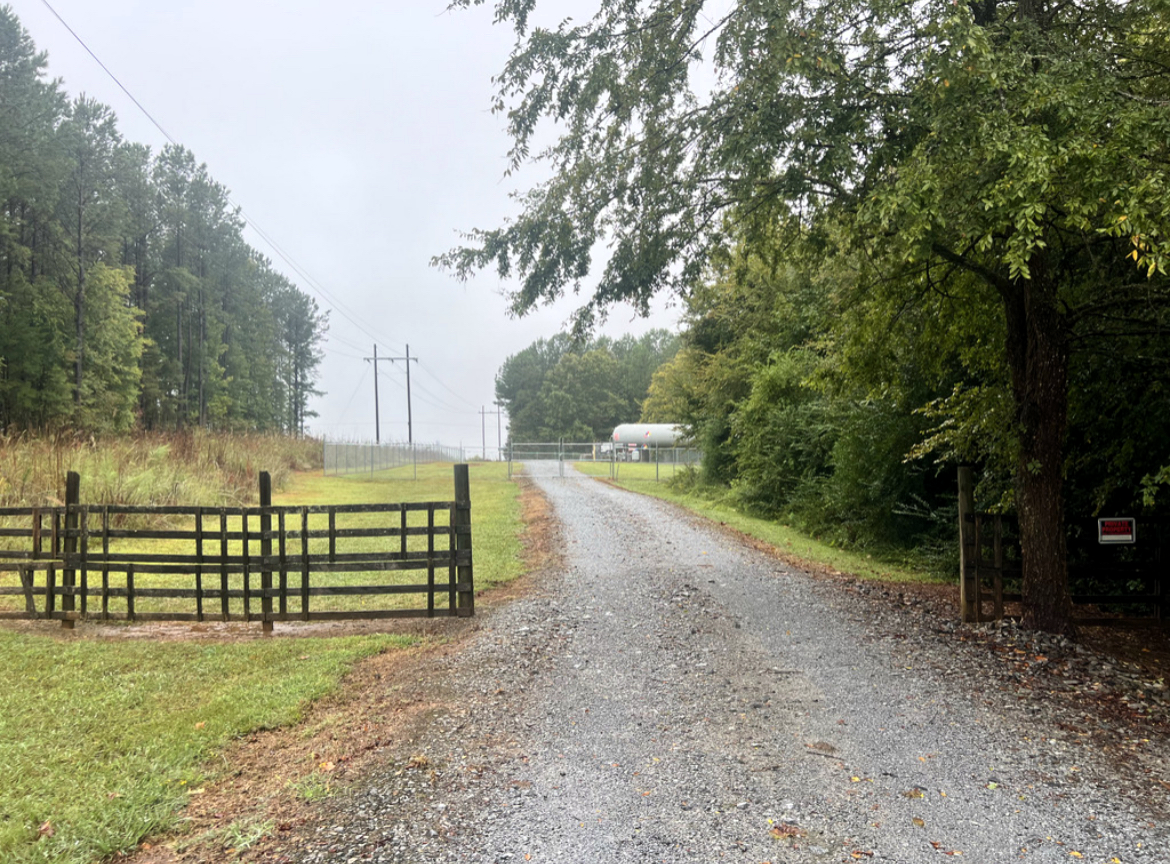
column 483, row 412
column 377, row 422
column 409, row 421
column 499, row 441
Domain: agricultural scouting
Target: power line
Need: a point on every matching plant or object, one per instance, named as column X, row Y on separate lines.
column 437, row 401
column 309, row 280
column 444, row 386
column 483, row 412
column 409, row 423
column 113, row 77
column 311, row 283
column 355, row 392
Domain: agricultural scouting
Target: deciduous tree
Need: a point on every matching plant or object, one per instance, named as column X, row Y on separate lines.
column 1011, row 154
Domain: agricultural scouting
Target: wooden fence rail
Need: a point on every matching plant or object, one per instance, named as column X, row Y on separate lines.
column 266, row 563
column 992, row 560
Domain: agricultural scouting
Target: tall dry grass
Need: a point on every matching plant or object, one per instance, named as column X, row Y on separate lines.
column 195, row 468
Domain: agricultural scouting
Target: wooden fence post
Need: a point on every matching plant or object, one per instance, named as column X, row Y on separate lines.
column 462, row 526
column 968, row 579
column 72, row 525
column 1161, row 575
column 266, row 552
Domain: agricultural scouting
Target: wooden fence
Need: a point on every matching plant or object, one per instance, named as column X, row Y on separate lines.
column 1117, row 578
column 264, row 563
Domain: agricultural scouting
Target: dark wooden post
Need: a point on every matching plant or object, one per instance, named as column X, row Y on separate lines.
column 72, row 526
column 199, row 564
column 1161, row 575
column 968, row 582
column 462, row 528
column 266, row 551
column 305, row 563
column 998, row 567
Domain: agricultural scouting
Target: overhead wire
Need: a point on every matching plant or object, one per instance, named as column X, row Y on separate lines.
column 444, row 386
column 353, row 395
column 335, row 353
column 311, row 282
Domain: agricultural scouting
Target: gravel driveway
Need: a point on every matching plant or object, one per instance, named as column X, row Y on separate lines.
column 674, row 695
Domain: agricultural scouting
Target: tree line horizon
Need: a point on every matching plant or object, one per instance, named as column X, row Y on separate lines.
column 129, row 298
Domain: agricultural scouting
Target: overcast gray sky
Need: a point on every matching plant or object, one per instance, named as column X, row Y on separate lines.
column 358, row 136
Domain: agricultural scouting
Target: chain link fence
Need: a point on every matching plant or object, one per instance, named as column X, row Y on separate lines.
column 347, row 458
column 606, row 458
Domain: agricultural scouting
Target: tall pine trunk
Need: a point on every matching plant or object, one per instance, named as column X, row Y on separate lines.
column 79, row 309
column 1037, row 353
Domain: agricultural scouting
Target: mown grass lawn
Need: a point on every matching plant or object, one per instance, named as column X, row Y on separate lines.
column 102, row 741
column 790, row 542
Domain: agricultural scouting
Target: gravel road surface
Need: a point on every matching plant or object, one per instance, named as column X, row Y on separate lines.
column 672, row 694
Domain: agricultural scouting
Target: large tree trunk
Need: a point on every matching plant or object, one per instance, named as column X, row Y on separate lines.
column 1038, row 359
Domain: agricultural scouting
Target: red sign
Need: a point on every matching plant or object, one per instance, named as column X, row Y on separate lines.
column 1116, row 530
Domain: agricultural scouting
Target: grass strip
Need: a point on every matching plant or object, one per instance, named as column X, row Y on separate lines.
column 793, row 545
column 104, row 741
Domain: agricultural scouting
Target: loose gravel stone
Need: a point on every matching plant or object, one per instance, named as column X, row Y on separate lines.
column 675, row 695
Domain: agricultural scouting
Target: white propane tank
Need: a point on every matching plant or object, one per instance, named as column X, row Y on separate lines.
column 653, row 434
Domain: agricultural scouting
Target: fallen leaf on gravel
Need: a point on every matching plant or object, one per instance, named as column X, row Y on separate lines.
column 785, row 830
column 916, row 792
column 918, row 823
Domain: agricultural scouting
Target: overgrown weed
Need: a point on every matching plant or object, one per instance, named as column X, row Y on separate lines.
column 193, row 468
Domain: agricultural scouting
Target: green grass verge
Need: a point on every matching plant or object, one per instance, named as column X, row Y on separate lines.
column 791, row 543
column 104, row 740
